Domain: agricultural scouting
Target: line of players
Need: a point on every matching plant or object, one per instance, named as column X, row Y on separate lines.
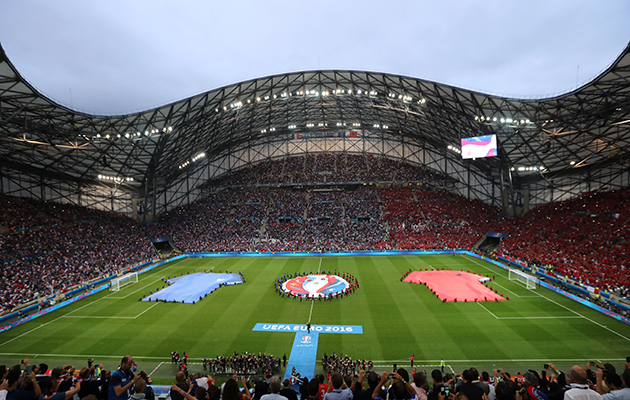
column 245, row 364
column 345, row 365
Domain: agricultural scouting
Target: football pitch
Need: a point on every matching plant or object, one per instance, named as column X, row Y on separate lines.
column 530, row 329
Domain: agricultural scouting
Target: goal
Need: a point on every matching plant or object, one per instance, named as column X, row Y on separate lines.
column 520, row 276
column 121, row 281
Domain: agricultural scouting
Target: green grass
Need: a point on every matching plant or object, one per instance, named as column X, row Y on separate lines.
column 533, row 327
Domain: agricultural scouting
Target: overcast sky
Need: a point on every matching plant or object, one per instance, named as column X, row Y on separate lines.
column 121, row 56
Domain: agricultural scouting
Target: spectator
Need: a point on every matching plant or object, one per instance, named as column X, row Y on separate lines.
column 274, row 388
column 287, row 392
column 138, row 393
column 468, row 388
column 122, row 380
column 576, row 378
column 182, row 385
column 337, row 393
column 14, row 378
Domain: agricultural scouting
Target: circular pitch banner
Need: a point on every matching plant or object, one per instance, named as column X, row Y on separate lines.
column 315, row 285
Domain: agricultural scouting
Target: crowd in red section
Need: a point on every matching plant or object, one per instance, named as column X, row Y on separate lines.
column 47, row 247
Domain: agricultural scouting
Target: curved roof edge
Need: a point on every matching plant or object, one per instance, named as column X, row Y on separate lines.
column 625, row 52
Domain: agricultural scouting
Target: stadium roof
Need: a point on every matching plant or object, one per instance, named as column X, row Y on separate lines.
column 539, row 139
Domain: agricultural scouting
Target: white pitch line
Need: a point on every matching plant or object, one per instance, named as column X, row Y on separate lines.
column 311, row 313
column 565, row 317
column 505, row 360
column 83, row 355
column 27, row 332
column 586, row 318
column 135, row 291
column 56, row 319
column 487, row 310
column 94, row 317
column 145, row 310
column 504, row 288
column 71, row 312
column 313, row 301
column 156, row 368
column 565, row 307
column 471, row 258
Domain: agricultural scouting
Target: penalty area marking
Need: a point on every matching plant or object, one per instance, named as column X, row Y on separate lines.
column 156, row 368
column 104, row 317
column 560, row 305
column 110, row 296
column 66, row 315
column 541, row 317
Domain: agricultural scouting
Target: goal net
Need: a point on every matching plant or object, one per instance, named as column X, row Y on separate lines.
column 121, row 281
column 520, row 276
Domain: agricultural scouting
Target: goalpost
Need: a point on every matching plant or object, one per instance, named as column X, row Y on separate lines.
column 520, row 276
column 121, row 281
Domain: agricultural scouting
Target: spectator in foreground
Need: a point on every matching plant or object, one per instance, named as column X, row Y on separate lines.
column 139, row 390
column 580, row 390
column 180, row 383
column 400, row 389
column 122, row 380
column 287, row 392
column 274, row 388
column 337, row 393
column 420, row 385
column 13, row 378
column 619, row 384
column 49, row 390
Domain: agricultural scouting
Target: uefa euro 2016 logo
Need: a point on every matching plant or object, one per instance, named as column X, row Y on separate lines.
column 315, row 286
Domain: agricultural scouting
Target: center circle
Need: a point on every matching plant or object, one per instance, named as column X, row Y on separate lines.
column 315, row 285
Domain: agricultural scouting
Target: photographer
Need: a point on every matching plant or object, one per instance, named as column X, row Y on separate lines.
column 89, row 386
column 580, row 390
column 400, row 389
column 122, row 380
column 619, row 385
column 50, row 390
column 13, row 378
column 439, row 386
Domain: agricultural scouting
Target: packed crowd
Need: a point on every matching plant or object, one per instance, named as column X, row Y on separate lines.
column 345, row 379
column 47, row 247
column 585, row 238
column 69, row 245
column 332, row 167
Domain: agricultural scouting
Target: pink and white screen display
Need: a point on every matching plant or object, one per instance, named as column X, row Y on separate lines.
column 479, row 147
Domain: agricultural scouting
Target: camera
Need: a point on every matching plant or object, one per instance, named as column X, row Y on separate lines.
column 546, row 366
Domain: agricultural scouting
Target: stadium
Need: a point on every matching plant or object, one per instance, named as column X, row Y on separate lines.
column 311, row 178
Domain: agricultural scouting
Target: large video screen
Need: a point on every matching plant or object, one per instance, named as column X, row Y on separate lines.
column 479, row 147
